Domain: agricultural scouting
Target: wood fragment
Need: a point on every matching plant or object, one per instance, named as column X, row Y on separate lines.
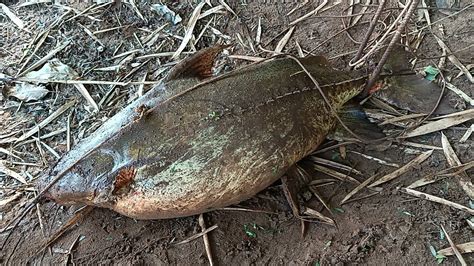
column 418, row 160
column 247, row 58
column 323, row 161
column 453, row 160
column 437, row 200
column 299, row 50
column 401, row 118
column 420, row 145
column 211, row 11
column 135, row 8
column 82, row 89
column 40, row 40
column 467, row 134
column 227, row 7
column 258, row 37
column 7, row 152
column 378, row 160
column 5, row 201
column 441, row 124
column 428, row 179
column 460, row 93
column 463, row 248
column 315, row 214
column 244, row 210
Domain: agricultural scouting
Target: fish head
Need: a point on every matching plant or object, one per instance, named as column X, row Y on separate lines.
column 89, row 181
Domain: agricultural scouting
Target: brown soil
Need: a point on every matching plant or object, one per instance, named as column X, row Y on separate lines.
column 388, row 228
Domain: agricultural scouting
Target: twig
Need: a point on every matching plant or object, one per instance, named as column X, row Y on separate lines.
column 45, row 58
column 418, row 160
column 196, row 236
column 189, row 30
column 358, row 188
column 372, row 25
column 453, row 161
column 454, row 248
column 205, row 237
column 77, row 216
column 463, row 248
column 437, row 200
column 445, row 122
column 244, row 210
column 43, row 123
column 375, row 74
column 315, row 11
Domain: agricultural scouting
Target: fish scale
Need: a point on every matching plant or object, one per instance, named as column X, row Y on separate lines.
column 197, row 146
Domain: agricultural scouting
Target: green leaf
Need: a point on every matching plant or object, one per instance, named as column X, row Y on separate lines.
column 249, row 232
column 431, row 73
column 341, row 210
column 440, row 258
column 316, row 263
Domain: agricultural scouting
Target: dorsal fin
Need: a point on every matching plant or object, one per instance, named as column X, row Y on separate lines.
column 199, row 65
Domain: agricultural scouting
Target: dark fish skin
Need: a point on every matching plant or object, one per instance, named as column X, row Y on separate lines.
column 184, row 149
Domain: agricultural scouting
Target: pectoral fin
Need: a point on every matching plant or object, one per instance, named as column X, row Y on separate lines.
column 356, row 120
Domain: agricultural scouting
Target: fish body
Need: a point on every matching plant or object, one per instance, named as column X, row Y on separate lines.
column 187, row 147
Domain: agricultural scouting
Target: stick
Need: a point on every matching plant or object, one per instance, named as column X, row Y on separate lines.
column 375, row 74
column 369, row 31
column 454, row 248
column 206, row 239
column 437, row 200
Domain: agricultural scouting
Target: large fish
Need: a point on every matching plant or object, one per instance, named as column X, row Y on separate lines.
column 187, row 147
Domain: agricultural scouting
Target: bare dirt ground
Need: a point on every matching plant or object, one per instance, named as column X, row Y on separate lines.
column 389, row 227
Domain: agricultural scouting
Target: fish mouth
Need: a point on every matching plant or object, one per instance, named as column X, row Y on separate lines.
column 65, row 192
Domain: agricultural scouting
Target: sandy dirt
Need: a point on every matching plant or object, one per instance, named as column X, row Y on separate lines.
column 387, row 228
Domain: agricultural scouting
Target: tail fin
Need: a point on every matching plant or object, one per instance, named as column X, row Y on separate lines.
column 404, row 89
